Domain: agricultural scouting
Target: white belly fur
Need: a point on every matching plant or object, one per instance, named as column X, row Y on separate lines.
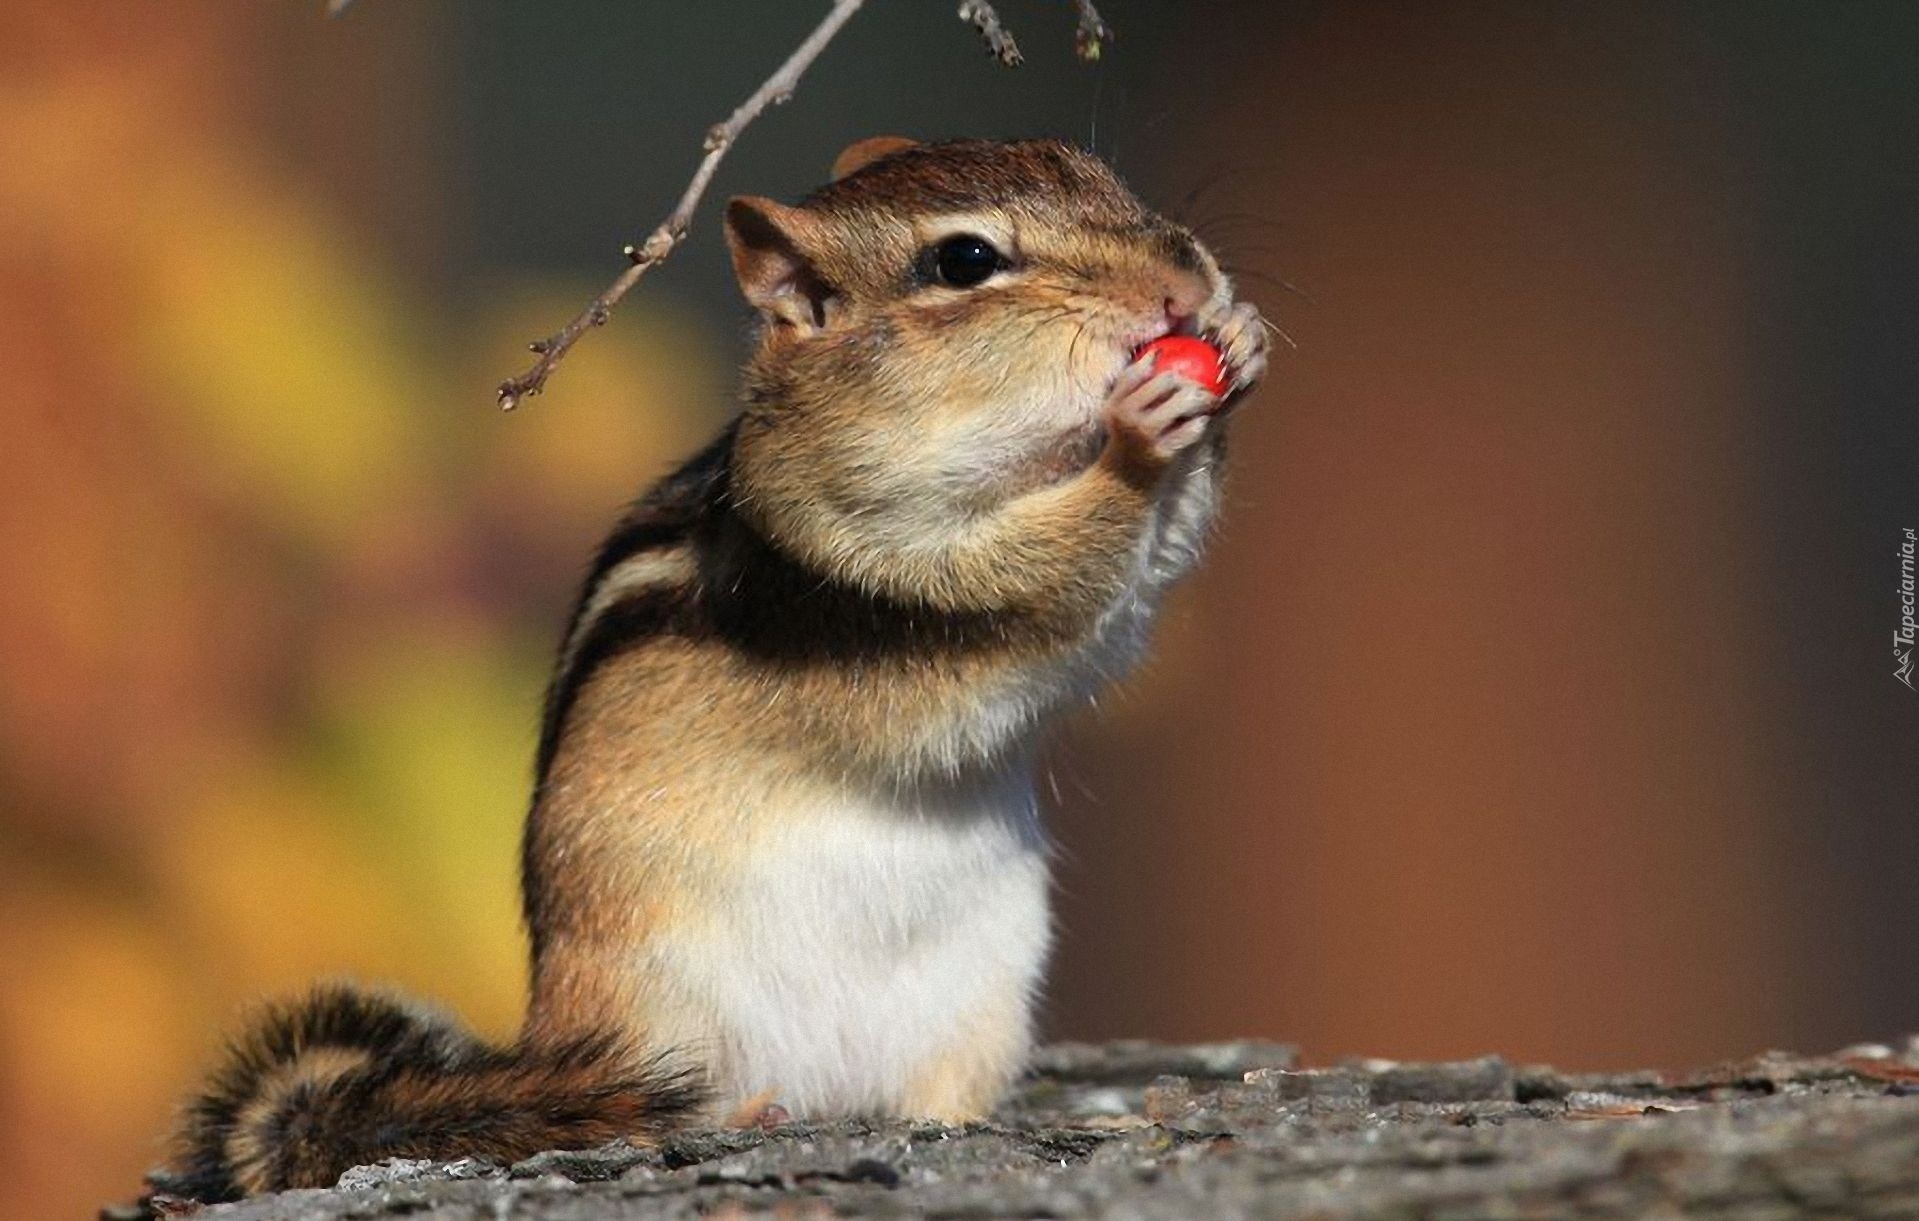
column 862, row 942
column 869, row 937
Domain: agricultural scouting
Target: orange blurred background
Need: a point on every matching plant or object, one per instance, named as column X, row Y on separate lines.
column 1536, row 698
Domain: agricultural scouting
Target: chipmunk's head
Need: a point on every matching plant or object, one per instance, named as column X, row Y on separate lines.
column 940, row 325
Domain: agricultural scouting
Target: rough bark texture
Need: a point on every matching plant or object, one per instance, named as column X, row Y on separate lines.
column 1233, row 1130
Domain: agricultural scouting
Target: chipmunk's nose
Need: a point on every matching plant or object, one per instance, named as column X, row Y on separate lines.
column 1184, row 271
column 1184, row 293
column 1174, row 281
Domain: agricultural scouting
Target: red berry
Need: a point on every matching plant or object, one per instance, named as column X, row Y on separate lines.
column 1193, row 359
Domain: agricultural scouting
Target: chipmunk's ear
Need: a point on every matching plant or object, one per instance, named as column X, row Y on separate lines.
column 862, row 153
column 773, row 260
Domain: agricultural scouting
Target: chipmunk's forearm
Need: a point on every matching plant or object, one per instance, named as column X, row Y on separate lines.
column 1057, row 555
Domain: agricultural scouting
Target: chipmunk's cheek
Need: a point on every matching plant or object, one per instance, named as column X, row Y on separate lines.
column 1066, row 390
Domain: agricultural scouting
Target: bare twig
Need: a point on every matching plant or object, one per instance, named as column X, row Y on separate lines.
column 999, row 40
column 1093, row 31
column 660, row 243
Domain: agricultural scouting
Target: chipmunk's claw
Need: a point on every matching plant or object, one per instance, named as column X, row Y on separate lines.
column 1238, row 331
column 1158, row 414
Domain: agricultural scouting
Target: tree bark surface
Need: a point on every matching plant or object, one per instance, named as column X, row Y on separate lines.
column 1140, row 1130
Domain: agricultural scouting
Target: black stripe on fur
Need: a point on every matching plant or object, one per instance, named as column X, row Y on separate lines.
column 344, row 1078
column 667, row 515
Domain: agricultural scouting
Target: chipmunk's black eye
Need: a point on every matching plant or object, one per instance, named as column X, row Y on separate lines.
column 961, row 261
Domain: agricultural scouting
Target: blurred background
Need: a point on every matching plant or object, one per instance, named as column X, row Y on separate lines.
column 1538, row 697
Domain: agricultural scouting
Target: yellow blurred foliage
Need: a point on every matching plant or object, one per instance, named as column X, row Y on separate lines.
column 572, row 452
column 275, row 354
column 92, row 1038
column 281, row 359
column 428, row 741
column 264, row 894
column 284, row 587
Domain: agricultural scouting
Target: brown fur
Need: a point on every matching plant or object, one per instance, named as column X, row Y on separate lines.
column 810, row 644
column 862, row 153
column 344, row 1077
column 825, row 596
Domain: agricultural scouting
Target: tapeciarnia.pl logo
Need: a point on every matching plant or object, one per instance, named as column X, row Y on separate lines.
column 1902, row 635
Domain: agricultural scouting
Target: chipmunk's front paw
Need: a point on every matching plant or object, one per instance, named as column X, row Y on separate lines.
column 1152, row 416
column 1239, row 333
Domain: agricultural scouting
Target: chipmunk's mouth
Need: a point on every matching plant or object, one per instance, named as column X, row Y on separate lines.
column 1159, row 328
column 1128, row 333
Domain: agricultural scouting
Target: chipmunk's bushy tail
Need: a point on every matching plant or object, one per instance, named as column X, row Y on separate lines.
column 343, row 1077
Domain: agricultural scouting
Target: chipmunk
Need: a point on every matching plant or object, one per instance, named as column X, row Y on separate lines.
column 784, row 849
